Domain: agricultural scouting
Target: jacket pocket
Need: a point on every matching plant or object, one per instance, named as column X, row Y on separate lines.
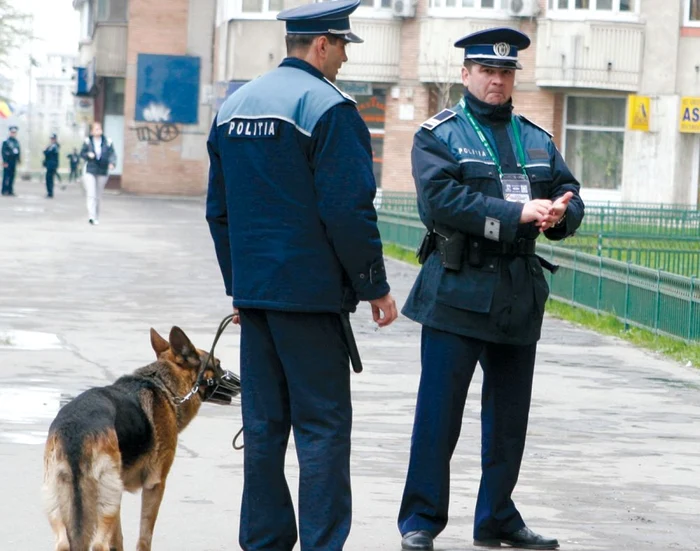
column 481, row 177
column 541, row 179
column 469, row 289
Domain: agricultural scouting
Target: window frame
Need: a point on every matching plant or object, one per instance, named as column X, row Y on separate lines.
column 687, row 21
column 233, row 9
column 476, row 12
column 373, row 12
column 593, row 13
column 585, row 127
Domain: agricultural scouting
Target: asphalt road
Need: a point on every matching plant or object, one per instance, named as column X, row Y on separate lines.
column 613, row 454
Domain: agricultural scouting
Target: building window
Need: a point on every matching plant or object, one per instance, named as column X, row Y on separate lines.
column 261, row 6
column 55, row 96
column 443, row 95
column 376, row 4
column 692, row 13
column 114, row 96
column 594, row 133
column 472, row 4
column 111, row 11
column 597, row 7
column 372, row 108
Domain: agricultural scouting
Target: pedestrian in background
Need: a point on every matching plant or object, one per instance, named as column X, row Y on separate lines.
column 489, row 183
column 74, row 161
column 51, row 159
column 11, row 157
column 100, row 157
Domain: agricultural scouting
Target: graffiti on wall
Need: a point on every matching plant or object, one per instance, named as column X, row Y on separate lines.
column 155, row 134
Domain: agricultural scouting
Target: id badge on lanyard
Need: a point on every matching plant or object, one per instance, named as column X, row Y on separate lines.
column 516, row 188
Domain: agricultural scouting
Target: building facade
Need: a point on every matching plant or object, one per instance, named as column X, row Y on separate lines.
column 588, row 62
column 145, row 73
column 53, row 107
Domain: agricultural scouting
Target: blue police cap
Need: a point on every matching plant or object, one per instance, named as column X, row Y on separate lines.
column 13, row 128
column 497, row 47
column 322, row 18
column 53, row 136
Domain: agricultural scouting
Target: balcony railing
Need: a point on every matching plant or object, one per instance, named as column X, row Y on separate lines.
column 110, row 49
column 589, row 55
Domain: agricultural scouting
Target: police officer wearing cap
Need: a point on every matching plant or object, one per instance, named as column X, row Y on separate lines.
column 290, row 210
column 11, row 157
column 489, row 183
column 51, row 156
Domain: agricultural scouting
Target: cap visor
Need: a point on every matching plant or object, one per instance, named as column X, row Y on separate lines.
column 352, row 37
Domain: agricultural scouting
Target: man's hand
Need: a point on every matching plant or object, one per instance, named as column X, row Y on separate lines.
column 5, row 165
column 536, row 211
column 386, row 306
column 111, row 167
column 91, row 155
column 236, row 316
column 557, row 211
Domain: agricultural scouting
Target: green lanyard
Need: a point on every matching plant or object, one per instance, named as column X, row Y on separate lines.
column 487, row 145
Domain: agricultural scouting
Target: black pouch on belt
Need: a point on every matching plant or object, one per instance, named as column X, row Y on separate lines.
column 450, row 245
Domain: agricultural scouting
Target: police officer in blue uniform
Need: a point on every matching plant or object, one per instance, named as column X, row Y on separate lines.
column 11, row 157
column 51, row 156
column 290, row 210
column 488, row 182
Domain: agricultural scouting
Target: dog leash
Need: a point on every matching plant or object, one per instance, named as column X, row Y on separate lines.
column 232, row 382
column 222, row 326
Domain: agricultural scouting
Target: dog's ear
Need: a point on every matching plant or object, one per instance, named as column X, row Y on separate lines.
column 181, row 346
column 158, row 343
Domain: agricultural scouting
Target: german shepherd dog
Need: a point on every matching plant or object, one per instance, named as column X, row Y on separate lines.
column 121, row 437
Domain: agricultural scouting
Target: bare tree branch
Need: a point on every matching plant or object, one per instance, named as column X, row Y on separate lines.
column 442, row 74
column 15, row 29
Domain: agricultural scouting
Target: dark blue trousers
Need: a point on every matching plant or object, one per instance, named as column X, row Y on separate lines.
column 448, row 363
column 50, row 174
column 8, row 179
column 295, row 374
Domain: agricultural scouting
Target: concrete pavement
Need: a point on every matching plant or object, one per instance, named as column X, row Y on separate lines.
column 613, row 454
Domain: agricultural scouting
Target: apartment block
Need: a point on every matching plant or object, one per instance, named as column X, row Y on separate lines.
column 146, row 66
column 588, row 60
column 617, row 82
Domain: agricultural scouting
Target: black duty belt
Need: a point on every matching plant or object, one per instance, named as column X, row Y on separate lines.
column 520, row 247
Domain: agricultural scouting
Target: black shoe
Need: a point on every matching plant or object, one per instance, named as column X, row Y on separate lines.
column 417, row 540
column 520, row 539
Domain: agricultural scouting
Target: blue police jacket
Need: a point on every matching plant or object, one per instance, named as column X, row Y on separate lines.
column 51, row 156
column 501, row 298
column 11, row 151
column 290, row 196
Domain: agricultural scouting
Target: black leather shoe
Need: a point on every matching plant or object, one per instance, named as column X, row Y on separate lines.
column 417, row 540
column 520, row 539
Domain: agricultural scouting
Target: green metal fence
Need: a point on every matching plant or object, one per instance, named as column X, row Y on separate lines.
column 628, row 220
column 662, row 302
column 680, row 257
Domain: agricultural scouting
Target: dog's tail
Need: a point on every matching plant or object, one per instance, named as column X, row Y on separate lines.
column 82, row 489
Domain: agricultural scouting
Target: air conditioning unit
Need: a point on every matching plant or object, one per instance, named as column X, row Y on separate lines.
column 522, row 8
column 403, row 8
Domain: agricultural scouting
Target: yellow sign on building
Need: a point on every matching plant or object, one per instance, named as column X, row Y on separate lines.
column 690, row 115
column 638, row 113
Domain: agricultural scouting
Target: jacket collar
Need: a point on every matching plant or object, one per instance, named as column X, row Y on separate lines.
column 487, row 113
column 303, row 65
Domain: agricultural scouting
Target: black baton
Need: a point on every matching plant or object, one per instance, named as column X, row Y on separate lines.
column 547, row 265
column 350, row 341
